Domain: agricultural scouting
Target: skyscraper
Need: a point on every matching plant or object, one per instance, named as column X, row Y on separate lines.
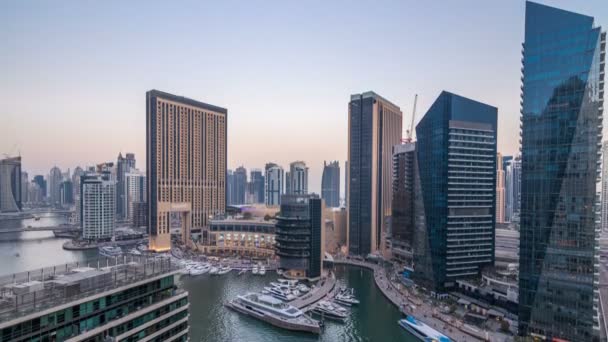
column 98, row 206
column 513, row 189
column 123, row 166
column 239, row 185
column 273, row 184
column 66, row 192
column 229, row 187
column 25, row 189
column 135, row 191
column 55, row 179
column 500, row 190
column 186, row 164
column 330, row 184
column 374, row 127
column 299, row 236
column 257, row 185
column 562, row 98
column 456, row 158
column 403, row 218
column 10, row 184
column 297, row 179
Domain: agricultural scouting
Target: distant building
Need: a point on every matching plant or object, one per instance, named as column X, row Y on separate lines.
column 78, row 172
column 297, row 179
column 229, row 187
column 55, row 179
column 334, row 229
column 134, row 188
column 299, row 236
column 562, row 103
column 39, row 179
column 273, row 187
column 137, row 298
column 330, row 184
column 513, row 189
column 239, row 185
column 374, row 127
column 25, row 187
column 604, row 195
column 66, row 193
column 455, row 199
column 500, row 190
column 124, row 165
column 256, row 180
column 36, row 195
column 97, row 206
column 230, row 236
column 10, row 185
column 140, row 214
column 186, row 149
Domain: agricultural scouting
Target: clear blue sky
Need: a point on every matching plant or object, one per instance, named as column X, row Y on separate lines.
column 74, row 73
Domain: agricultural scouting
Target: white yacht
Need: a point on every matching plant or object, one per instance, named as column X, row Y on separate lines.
column 110, row 251
column 330, row 310
column 262, row 270
column 255, row 270
column 213, row 270
column 347, row 297
column 280, row 294
column 275, row 312
column 303, row 288
column 199, row 269
column 224, row 270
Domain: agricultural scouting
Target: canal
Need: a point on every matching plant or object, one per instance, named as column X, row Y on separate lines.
column 375, row 319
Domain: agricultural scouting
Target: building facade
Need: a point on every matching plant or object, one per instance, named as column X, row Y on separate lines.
column 374, row 127
column 604, row 195
column 124, row 302
column 241, row 237
column 66, row 193
column 330, row 184
column 256, row 180
column 456, row 158
column 10, row 185
column 98, row 206
column 39, row 179
column 297, row 179
column 513, row 189
column 239, row 185
column 500, row 190
column 274, row 179
column 186, row 164
column 562, row 99
column 299, row 236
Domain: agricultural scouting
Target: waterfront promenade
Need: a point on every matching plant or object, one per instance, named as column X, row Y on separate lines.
column 400, row 297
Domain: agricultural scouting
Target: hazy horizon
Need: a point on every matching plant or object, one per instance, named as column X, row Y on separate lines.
column 75, row 76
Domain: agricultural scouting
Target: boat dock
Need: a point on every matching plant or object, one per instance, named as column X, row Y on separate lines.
column 305, row 302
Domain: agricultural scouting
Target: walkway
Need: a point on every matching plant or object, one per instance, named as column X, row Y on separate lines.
column 327, row 285
column 425, row 312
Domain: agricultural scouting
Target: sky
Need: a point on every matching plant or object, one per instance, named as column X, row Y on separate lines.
column 73, row 74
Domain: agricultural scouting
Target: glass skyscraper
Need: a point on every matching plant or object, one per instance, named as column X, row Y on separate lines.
column 562, row 99
column 455, row 191
column 330, row 184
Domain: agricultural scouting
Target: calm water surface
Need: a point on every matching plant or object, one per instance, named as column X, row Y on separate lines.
column 375, row 319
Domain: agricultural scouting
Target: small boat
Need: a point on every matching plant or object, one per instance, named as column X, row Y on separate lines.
column 262, row 270
column 421, row 331
column 255, row 270
column 303, row 288
column 213, row 270
column 346, row 299
column 280, row 294
column 331, row 311
column 134, row 251
column 198, row 270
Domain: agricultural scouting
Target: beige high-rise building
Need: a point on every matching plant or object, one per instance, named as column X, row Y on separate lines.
column 186, row 164
column 374, row 127
column 500, row 190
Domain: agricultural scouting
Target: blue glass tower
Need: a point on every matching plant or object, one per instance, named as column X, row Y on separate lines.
column 455, row 191
column 562, row 99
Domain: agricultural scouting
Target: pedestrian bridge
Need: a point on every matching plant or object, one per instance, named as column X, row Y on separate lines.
column 38, row 229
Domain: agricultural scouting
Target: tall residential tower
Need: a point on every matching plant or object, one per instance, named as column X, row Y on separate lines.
column 330, row 184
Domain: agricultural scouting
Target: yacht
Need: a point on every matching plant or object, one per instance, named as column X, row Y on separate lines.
column 255, row 270
column 347, row 297
column 110, row 251
column 262, row 270
column 224, row 270
column 331, row 311
column 275, row 312
column 199, row 269
column 290, row 282
column 280, row 294
column 213, row 270
column 303, row 288
column 420, row 331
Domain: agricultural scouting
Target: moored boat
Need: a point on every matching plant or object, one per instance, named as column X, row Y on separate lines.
column 421, row 331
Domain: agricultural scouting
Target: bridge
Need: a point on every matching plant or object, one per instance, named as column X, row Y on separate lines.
column 39, row 229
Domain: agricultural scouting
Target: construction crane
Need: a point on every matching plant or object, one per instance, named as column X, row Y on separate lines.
column 409, row 132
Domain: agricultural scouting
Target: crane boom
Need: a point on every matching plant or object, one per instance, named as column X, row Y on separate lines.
column 409, row 132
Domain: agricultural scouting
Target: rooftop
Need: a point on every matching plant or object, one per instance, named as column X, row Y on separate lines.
column 32, row 292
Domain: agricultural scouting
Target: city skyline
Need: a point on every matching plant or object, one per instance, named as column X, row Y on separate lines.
column 63, row 82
